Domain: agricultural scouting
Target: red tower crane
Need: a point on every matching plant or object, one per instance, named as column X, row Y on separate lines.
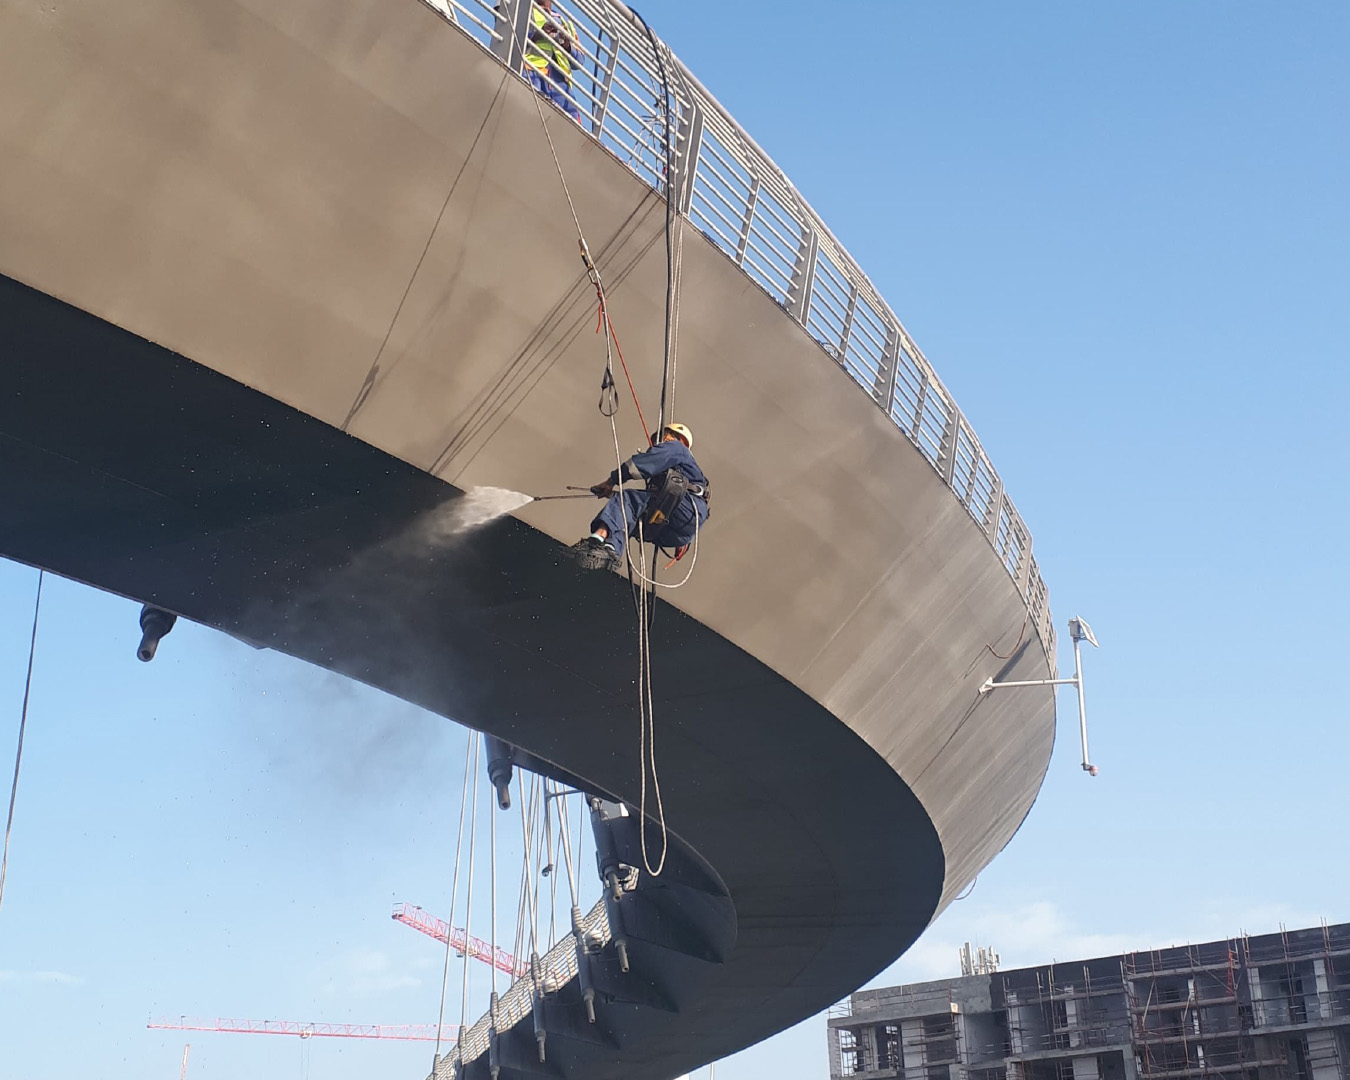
column 459, row 940
column 405, row 1032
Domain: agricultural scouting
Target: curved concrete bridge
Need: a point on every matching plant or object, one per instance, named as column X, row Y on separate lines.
column 282, row 277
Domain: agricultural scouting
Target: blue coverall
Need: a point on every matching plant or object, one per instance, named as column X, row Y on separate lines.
column 679, row 529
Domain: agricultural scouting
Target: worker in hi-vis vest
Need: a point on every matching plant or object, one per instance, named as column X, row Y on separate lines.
column 549, row 54
column 670, row 506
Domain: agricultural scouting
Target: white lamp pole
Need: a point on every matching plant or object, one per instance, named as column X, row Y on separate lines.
column 1080, row 632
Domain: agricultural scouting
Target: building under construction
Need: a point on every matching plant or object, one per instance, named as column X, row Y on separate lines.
column 1271, row 1007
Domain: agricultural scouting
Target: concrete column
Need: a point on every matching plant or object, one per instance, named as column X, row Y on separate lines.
column 1015, row 1040
column 1085, row 1068
column 911, row 1047
column 1324, row 1055
column 867, row 1047
column 1258, row 1004
column 1071, row 1019
column 1322, row 1009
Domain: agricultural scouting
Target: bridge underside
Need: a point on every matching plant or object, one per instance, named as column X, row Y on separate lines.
column 138, row 471
column 344, row 216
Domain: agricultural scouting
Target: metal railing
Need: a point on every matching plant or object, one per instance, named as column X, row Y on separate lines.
column 557, row 967
column 729, row 189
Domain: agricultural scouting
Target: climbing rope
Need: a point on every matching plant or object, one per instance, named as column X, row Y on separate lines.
column 647, row 719
column 492, row 901
column 645, row 601
column 564, row 829
column 468, row 907
column 552, row 869
column 530, row 879
column 469, row 755
column 23, row 726
column 672, row 245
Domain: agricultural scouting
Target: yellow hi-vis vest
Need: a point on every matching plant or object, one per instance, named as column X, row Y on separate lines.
column 544, row 51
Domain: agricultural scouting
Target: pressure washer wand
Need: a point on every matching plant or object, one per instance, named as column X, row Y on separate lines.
column 550, row 498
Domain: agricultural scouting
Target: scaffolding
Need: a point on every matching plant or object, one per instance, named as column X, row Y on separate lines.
column 1062, row 1015
column 1275, row 1007
column 1192, row 1016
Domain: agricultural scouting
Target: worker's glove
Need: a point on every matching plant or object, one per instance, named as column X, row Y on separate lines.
column 602, row 491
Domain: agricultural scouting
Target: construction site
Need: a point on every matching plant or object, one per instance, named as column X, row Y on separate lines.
column 1265, row 1007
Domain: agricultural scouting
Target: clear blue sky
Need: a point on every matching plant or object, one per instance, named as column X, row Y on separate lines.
column 1120, row 233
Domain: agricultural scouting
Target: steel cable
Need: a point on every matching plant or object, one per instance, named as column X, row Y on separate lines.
column 23, row 727
column 468, row 905
column 454, row 892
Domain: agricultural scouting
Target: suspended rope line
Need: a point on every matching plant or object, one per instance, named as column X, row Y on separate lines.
column 647, row 719
column 468, row 905
column 454, row 892
column 527, row 921
column 672, row 270
column 552, row 870
column 639, row 573
column 609, row 405
column 582, row 819
column 564, row 827
column 492, row 895
column 645, row 605
column 23, row 727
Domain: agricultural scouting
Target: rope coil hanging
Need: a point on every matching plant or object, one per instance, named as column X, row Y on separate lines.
column 643, row 602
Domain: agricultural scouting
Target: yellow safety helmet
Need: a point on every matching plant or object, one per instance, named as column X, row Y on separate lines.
column 680, row 432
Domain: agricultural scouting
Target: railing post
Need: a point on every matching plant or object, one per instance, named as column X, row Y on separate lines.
column 1023, row 578
column 946, row 462
column 920, row 403
column 804, row 274
column 513, row 24
column 995, row 510
column 691, row 139
column 890, row 367
column 602, row 106
column 744, row 240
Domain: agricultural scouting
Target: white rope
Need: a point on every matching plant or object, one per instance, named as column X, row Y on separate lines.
column 641, row 576
column 454, row 892
column 566, row 190
column 564, row 825
column 583, row 817
column 529, row 878
column 468, row 904
column 492, row 895
column 23, row 727
column 647, row 722
column 646, row 716
column 553, row 872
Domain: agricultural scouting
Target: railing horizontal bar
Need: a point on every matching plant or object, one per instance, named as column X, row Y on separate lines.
column 731, row 244
column 733, row 186
column 790, row 243
column 748, row 261
column 774, row 275
column 741, row 175
column 836, row 303
column 706, row 188
column 733, row 226
column 783, row 263
column 491, row 30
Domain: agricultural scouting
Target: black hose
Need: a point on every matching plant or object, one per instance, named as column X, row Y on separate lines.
column 670, row 213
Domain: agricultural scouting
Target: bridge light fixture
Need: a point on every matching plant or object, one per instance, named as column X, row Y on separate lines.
column 1079, row 632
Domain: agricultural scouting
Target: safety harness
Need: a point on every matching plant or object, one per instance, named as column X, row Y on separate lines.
column 667, row 490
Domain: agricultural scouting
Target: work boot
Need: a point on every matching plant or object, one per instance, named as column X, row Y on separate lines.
column 592, row 553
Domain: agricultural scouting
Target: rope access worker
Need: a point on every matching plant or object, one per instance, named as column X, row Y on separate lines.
column 669, row 510
column 549, row 54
